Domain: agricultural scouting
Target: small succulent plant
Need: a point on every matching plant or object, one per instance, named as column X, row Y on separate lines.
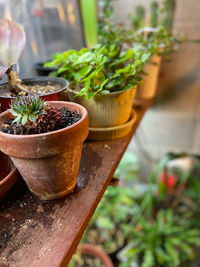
column 27, row 108
column 49, row 120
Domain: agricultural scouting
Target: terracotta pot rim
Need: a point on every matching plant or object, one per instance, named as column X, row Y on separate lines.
column 40, row 79
column 99, row 94
column 68, row 128
column 96, row 251
column 9, row 175
column 9, row 179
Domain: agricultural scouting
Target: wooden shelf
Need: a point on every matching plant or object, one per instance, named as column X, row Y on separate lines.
column 35, row 233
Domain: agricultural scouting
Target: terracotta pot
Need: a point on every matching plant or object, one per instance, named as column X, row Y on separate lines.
column 8, row 174
column 60, row 94
column 106, row 110
column 87, row 249
column 147, row 89
column 48, row 162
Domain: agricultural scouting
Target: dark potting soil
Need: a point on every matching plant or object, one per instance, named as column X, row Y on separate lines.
column 68, row 118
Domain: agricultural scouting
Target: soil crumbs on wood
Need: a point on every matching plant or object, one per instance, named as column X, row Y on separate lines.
column 68, row 118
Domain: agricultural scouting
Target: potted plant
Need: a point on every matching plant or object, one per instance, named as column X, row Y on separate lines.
column 44, row 141
column 156, row 37
column 12, row 42
column 159, row 41
column 102, row 79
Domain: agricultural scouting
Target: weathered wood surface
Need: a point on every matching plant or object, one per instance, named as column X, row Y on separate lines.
column 44, row 234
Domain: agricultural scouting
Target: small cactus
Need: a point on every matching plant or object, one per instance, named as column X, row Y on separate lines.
column 139, row 18
column 169, row 6
column 26, row 109
column 154, row 14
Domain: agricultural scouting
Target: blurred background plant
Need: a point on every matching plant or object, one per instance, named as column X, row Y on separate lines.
column 156, row 225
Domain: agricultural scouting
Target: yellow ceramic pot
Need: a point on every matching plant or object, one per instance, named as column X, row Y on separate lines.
column 106, row 110
column 147, row 89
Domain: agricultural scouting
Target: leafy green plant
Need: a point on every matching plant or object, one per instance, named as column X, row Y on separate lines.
column 27, row 109
column 166, row 240
column 101, row 69
column 106, row 9
column 156, row 35
column 110, row 33
column 159, row 232
column 157, row 40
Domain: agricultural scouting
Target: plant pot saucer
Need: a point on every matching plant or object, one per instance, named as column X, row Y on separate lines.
column 8, row 174
column 111, row 133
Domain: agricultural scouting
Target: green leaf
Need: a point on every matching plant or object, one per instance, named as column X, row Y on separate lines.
column 126, row 69
column 127, row 87
column 124, row 57
column 148, row 260
column 114, row 82
column 13, row 112
column 161, row 256
column 62, row 69
column 84, row 71
column 32, row 117
column 173, row 253
column 24, row 119
column 145, row 56
column 87, row 57
column 83, row 91
column 90, row 95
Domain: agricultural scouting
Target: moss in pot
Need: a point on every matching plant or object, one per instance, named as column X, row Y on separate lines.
column 103, row 79
column 12, row 42
column 44, row 141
